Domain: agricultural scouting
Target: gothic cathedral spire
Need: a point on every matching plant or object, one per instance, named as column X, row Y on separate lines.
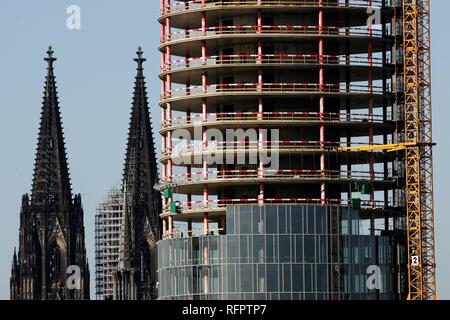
column 136, row 275
column 51, row 236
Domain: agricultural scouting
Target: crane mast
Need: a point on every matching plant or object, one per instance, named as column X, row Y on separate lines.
column 426, row 153
column 419, row 170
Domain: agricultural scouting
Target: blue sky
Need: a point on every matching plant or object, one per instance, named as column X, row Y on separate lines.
column 95, row 74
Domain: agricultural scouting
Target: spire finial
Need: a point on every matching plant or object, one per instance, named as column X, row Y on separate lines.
column 15, row 257
column 140, row 59
column 50, row 59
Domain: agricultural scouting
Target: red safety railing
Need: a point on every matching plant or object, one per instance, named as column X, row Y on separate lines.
column 277, row 29
column 182, row 6
column 273, row 116
column 270, row 88
column 221, row 204
column 272, row 59
column 186, row 149
column 229, row 175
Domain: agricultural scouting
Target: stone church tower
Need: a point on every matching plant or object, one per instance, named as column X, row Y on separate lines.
column 51, row 262
column 136, row 277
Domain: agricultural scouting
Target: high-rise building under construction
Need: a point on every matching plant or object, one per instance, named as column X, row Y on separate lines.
column 108, row 220
column 296, row 150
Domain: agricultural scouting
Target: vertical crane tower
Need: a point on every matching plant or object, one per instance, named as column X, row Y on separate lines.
column 419, row 166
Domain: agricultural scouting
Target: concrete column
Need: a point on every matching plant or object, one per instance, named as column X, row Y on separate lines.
column 370, row 107
column 169, row 93
column 189, row 194
column 261, row 141
column 323, row 195
column 170, row 146
column 171, row 227
column 205, row 118
column 164, row 228
column 190, row 228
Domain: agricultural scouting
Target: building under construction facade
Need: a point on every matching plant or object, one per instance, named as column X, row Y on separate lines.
column 107, row 238
column 289, row 156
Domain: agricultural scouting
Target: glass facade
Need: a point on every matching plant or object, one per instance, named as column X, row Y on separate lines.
column 278, row 252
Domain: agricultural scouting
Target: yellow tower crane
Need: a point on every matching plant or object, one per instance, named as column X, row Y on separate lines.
column 418, row 144
column 419, row 269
